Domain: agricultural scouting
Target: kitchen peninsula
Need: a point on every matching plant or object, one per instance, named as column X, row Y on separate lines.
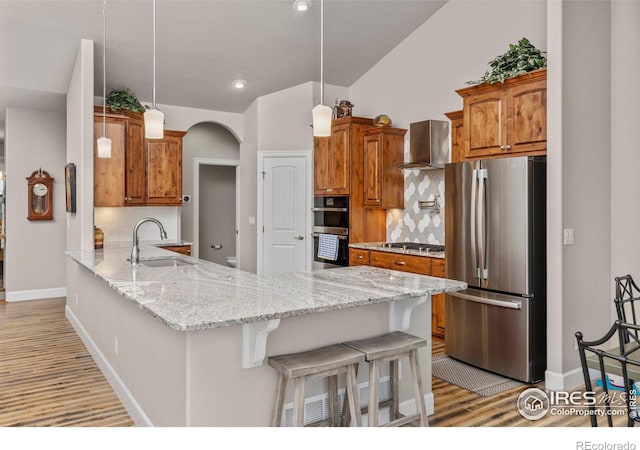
column 185, row 345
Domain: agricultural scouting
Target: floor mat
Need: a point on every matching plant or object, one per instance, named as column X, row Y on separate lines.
column 471, row 378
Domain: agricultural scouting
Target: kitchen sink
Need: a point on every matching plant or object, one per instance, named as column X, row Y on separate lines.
column 171, row 261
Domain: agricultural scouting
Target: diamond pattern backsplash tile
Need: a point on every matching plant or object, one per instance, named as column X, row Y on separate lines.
column 414, row 224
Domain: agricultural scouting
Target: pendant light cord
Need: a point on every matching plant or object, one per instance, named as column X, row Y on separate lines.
column 322, row 52
column 104, row 70
column 154, row 54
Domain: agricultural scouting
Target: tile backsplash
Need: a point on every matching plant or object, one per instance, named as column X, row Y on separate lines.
column 413, row 224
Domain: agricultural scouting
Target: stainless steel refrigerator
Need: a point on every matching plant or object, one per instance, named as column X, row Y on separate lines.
column 495, row 240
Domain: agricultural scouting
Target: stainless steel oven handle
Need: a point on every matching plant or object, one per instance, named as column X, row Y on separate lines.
column 330, row 209
column 342, row 238
column 489, row 301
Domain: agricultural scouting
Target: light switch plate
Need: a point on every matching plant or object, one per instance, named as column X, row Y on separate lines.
column 568, row 236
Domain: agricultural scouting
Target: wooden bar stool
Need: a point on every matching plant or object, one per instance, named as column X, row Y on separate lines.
column 324, row 362
column 391, row 347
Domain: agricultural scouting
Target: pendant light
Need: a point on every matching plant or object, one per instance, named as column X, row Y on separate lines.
column 322, row 113
column 154, row 119
column 104, row 143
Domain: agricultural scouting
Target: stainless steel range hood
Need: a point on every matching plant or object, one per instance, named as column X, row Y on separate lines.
column 428, row 145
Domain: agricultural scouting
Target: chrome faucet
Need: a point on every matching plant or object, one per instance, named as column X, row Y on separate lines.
column 135, row 250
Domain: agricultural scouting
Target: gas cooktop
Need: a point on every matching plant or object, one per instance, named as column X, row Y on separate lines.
column 415, row 246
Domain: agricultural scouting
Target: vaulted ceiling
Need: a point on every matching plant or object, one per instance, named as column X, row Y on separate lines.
column 201, row 46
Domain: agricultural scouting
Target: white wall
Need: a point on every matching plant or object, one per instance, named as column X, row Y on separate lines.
column 80, row 147
column 582, row 294
column 203, row 140
column 625, row 135
column 34, row 255
column 248, row 191
column 280, row 121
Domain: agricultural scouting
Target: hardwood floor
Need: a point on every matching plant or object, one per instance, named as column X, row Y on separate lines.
column 48, row 378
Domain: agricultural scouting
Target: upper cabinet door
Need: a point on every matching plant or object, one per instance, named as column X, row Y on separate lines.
column 383, row 179
column 485, row 123
column 135, row 162
column 108, row 176
column 332, row 162
column 373, row 170
column 164, row 170
column 527, row 113
column 339, row 151
column 321, row 182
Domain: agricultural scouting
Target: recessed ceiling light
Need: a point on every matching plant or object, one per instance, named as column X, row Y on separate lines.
column 239, row 83
column 302, row 5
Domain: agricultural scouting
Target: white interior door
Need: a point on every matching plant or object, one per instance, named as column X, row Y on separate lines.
column 284, row 214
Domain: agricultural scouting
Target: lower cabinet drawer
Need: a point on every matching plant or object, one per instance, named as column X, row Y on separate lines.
column 397, row 261
column 439, row 268
column 358, row 257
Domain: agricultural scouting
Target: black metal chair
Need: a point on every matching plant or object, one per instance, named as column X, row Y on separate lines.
column 627, row 300
column 623, row 360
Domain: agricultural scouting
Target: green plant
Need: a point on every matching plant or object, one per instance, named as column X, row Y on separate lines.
column 124, row 99
column 521, row 58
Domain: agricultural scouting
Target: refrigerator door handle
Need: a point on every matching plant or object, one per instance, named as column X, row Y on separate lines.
column 489, row 301
column 483, row 225
column 474, row 222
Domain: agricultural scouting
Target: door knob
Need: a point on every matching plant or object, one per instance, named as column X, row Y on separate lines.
column 298, row 238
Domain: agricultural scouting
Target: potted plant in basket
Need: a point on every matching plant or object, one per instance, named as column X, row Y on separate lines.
column 124, row 99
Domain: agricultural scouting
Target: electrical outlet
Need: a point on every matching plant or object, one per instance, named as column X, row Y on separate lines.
column 115, row 345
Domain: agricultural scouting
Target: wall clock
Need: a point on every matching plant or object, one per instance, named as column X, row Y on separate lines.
column 40, row 196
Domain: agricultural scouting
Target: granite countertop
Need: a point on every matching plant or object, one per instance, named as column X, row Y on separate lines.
column 378, row 246
column 206, row 295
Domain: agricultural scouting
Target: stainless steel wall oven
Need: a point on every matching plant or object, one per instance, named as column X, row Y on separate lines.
column 331, row 218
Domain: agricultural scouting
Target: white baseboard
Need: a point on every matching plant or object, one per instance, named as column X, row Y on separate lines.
column 36, row 294
column 128, row 401
column 566, row 381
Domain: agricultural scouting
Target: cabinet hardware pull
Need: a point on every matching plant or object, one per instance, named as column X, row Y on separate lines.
column 359, row 257
column 508, row 147
column 400, row 263
column 503, row 147
column 298, row 238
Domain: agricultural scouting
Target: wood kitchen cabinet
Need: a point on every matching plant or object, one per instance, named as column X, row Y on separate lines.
column 457, row 135
column 437, row 301
column 505, row 119
column 400, row 261
column 140, row 171
column 358, row 257
column 108, row 180
column 332, row 162
column 339, row 171
column 164, row 169
column 383, row 180
column 182, row 249
column 135, row 162
column 423, row 265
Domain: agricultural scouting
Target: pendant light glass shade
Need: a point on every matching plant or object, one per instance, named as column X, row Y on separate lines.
column 104, row 147
column 322, row 113
column 153, row 118
column 153, row 124
column 104, row 143
column 322, row 120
